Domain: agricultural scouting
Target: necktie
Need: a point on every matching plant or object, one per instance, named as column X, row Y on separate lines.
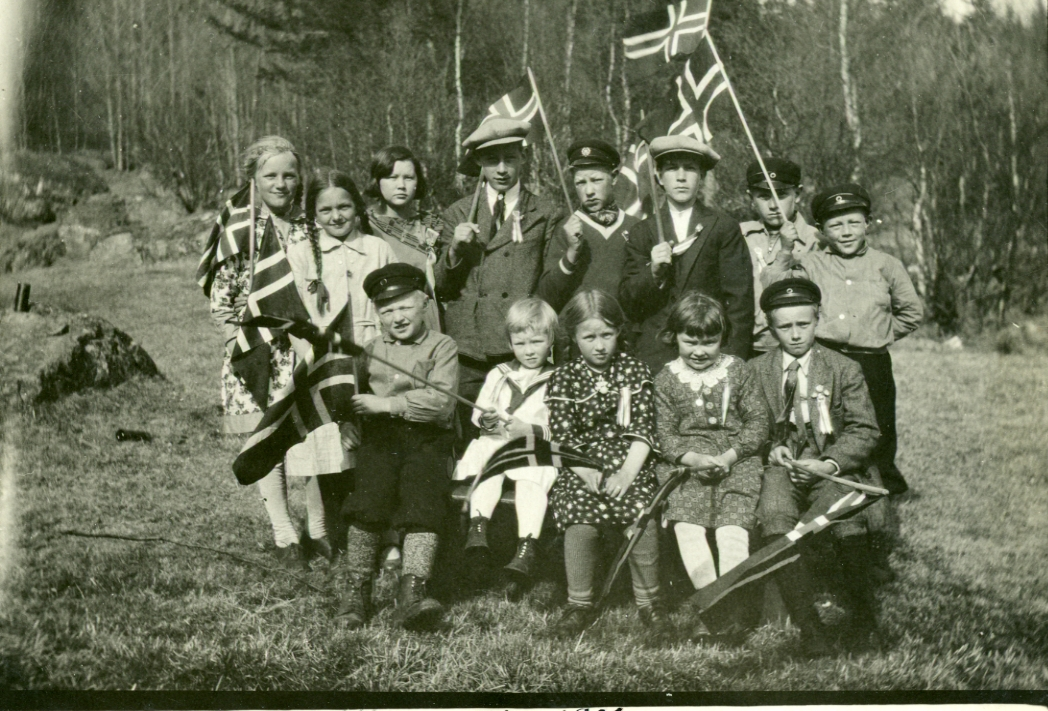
column 789, row 391
column 498, row 214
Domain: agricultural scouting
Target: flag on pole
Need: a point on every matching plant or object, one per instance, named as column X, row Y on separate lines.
column 779, row 553
column 320, row 392
column 533, row 451
column 520, row 104
column 229, row 236
column 632, row 190
column 652, row 41
column 702, row 81
column 273, row 293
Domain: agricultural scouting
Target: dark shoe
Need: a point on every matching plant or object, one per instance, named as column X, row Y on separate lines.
column 415, row 610
column 477, row 536
column 525, row 557
column 322, row 547
column 575, row 620
column 355, row 608
column 292, row 558
column 655, row 619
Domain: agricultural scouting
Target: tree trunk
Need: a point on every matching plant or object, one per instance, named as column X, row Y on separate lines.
column 627, row 119
column 619, row 138
column 233, row 107
column 527, row 34
column 458, row 81
column 1019, row 227
column 569, row 50
column 851, row 102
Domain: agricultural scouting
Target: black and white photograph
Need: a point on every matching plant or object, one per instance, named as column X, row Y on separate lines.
column 523, row 352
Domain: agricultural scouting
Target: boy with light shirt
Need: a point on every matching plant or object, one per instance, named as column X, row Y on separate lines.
column 704, row 251
column 824, row 422
column 485, row 266
column 868, row 302
column 406, row 436
column 762, row 235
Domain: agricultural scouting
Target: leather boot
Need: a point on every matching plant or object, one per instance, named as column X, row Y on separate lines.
column 355, row 608
column 525, row 558
column 415, row 609
column 477, row 536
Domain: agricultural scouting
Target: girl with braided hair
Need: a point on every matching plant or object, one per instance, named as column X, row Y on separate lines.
column 329, row 269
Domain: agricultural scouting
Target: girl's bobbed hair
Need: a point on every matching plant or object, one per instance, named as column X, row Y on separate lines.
column 591, row 304
column 697, row 315
column 325, row 178
column 382, row 163
column 255, row 156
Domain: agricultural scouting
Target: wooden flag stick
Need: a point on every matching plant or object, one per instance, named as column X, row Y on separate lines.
column 846, row 482
column 655, row 197
column 549, row 137
column 746, row 126
column 475, row 205
column 251, row 236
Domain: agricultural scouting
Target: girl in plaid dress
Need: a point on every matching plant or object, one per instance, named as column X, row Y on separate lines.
column 711, row 419
column 603, row 403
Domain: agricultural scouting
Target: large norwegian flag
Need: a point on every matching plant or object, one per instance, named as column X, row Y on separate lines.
column 229, row 236
column 520, row 104
column 320, row 392
column 781, row 552
column 651, row 40
column 273, row 293
column 632, row 185
column 702, row 81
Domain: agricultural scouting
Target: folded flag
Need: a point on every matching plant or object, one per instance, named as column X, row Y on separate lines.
column 228, row 236
column 320, row 392
column 780, row 552
column 651, row 41
column 533, row 451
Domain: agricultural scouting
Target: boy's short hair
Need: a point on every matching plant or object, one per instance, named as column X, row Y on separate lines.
column 531, row 314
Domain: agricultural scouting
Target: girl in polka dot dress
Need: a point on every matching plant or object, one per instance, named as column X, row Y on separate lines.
column 603, row 404
column 711, row 419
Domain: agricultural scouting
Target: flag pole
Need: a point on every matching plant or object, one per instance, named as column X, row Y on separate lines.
column 745, row 125
column 655, row 197
column 474, row 206
column 549, row 137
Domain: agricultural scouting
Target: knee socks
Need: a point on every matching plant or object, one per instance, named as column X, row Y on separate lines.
column 315, row 518
column 486, row 497
column 531, row 509
column 361, row 549
column 695, row 553
column 644, row 566
column 420, row 550
column 273, row 488
column 581, row 552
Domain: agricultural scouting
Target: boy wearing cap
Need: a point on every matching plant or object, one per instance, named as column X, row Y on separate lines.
column 824, row 421
column 704, row 251
column 589, row 250
column 483, row 267
column 868, row 302
column 762, row 235
column 406, row 437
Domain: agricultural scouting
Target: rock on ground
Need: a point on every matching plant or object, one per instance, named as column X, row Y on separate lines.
column 47, row 354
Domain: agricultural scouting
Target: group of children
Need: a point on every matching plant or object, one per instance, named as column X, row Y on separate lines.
column 756, row 435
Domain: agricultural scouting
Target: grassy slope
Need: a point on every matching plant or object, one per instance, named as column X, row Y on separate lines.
column 968, row 612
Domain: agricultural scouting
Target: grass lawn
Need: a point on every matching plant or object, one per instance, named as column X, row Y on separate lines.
column 968, row 611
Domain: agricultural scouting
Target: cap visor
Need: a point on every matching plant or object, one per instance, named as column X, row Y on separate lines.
column 498, row 142
column 394, row 292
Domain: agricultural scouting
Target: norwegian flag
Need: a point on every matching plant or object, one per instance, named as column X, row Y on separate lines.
column 520, row 104
column 632, row 186
column 273, row 293
column 781, row 552
column 229, row 236
column 697, row 95
column 532, row 451
column 320, row 392
column 649, row 38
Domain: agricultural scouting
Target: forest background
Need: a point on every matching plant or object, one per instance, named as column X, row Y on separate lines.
column 944, row 119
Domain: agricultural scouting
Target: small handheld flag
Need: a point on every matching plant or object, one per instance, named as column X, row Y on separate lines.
column 520, row 104
column 651, row 41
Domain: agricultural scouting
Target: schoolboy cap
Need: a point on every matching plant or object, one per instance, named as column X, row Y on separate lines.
column 783, row 173
column 665, row 145
column 839, row 198
column 495, row 132
column 795, row 291
column 593, row 153
column 393, row 280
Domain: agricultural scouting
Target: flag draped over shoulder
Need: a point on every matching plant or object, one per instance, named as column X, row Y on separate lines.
column 320, row 392
column 520, row 104
column 632, row 187
column 775, row 555
column 273, row 293
column 229, row 236
column 650, row 40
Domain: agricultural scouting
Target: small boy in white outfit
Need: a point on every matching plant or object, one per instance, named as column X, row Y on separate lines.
column 513, row 402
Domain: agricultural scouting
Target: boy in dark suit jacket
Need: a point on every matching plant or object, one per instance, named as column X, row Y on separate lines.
column 704, row 251
column 825, row 423
column 483, row 267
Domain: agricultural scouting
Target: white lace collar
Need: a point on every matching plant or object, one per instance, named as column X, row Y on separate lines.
column 705, row 379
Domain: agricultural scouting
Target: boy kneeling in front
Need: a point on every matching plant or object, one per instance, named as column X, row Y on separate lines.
column 824, row 423
column 401, row 480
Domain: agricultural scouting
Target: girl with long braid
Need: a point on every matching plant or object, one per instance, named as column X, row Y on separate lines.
column 329, row 269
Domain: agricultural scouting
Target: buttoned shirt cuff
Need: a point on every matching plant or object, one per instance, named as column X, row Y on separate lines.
column 835, row 465
column 398, row 405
